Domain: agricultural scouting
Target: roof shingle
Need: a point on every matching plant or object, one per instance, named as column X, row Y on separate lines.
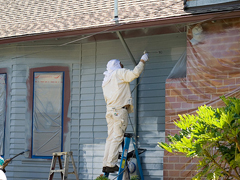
column 19, row 18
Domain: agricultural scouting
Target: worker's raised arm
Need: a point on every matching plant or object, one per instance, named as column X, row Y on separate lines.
column 129, row 75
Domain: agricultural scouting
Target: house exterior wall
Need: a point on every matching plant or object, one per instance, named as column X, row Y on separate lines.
column 212, row 71
column 87, row 128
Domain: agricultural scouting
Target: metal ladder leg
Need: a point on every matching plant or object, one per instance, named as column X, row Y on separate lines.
column 53, row 164
column 74, row 167
column 124, row 158
column 60, row 166
column 138, row 159
column 66, row 163
column 106, row 174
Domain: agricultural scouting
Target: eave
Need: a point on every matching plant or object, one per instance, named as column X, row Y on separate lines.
column 192, row 18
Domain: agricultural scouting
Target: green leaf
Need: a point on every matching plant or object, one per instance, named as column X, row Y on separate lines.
column 165, row 146
column 234, row 132
column 237, row 158
column 210, row 176
column 211, row 135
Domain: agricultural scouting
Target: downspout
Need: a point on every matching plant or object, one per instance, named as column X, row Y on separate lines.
column 185, row 5
column 115, row 11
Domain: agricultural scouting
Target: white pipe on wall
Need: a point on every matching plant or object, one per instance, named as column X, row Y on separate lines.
column 115, row 10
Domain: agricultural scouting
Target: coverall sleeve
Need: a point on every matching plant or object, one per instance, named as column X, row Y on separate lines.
column 129, row 75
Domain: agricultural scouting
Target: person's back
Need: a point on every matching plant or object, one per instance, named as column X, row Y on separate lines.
column 117, row 91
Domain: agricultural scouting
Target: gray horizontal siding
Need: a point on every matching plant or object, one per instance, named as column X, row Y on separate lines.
column 18, row 126
column 88, row 127
column 151, row 121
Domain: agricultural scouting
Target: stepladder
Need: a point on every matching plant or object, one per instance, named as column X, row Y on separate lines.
column 126, row 156
column 63, row 169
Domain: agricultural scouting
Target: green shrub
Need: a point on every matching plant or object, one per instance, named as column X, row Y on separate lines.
column 213, row 135
column 135, row 177
column 102, row 177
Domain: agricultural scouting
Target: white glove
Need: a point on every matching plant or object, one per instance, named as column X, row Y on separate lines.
column 145, row 57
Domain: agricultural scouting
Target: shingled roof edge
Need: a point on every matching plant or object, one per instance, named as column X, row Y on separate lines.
column 191, row 18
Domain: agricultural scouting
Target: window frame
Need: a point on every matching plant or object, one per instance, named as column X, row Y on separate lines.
column 62, row 113
column 65, row 103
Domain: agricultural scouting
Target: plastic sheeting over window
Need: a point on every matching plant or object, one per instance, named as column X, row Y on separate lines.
column 2, row 110
column 179, row 70
column 213, row 67
column 47, row 113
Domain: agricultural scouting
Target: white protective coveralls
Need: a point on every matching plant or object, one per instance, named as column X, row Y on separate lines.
column 117, row 94
column 2, row 174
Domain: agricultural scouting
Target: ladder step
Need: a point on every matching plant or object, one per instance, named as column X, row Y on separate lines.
column 59, row 170
column 61, row 153
column 129, row 135
column 132, row 154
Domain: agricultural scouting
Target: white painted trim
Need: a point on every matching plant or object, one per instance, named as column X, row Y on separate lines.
column 206, row 2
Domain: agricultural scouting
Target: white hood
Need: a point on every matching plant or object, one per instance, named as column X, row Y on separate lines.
column 112, row 65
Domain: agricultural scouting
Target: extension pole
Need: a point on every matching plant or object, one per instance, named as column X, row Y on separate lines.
column 126, row 47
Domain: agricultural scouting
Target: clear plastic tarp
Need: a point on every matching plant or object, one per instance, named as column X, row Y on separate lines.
column 47, row 113
column 179, row 70
column 2, row 110
column 213, row 68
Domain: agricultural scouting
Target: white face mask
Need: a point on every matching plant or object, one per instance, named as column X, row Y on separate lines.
column 112, row 65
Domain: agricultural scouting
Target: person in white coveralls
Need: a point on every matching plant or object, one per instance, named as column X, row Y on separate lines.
column 117, row 94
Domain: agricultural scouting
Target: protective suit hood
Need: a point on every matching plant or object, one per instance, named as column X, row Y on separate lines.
column 112, row 65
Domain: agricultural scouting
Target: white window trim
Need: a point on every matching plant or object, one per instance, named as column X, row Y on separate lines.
column 197, row 3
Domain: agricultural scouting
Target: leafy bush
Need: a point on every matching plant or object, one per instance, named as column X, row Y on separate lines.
column 135, row 177
column 101, row 177
column 213, row 135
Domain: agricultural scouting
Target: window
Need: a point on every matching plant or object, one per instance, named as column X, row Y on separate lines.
column 3, row 96
column 47, row 119
column 48, row 111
